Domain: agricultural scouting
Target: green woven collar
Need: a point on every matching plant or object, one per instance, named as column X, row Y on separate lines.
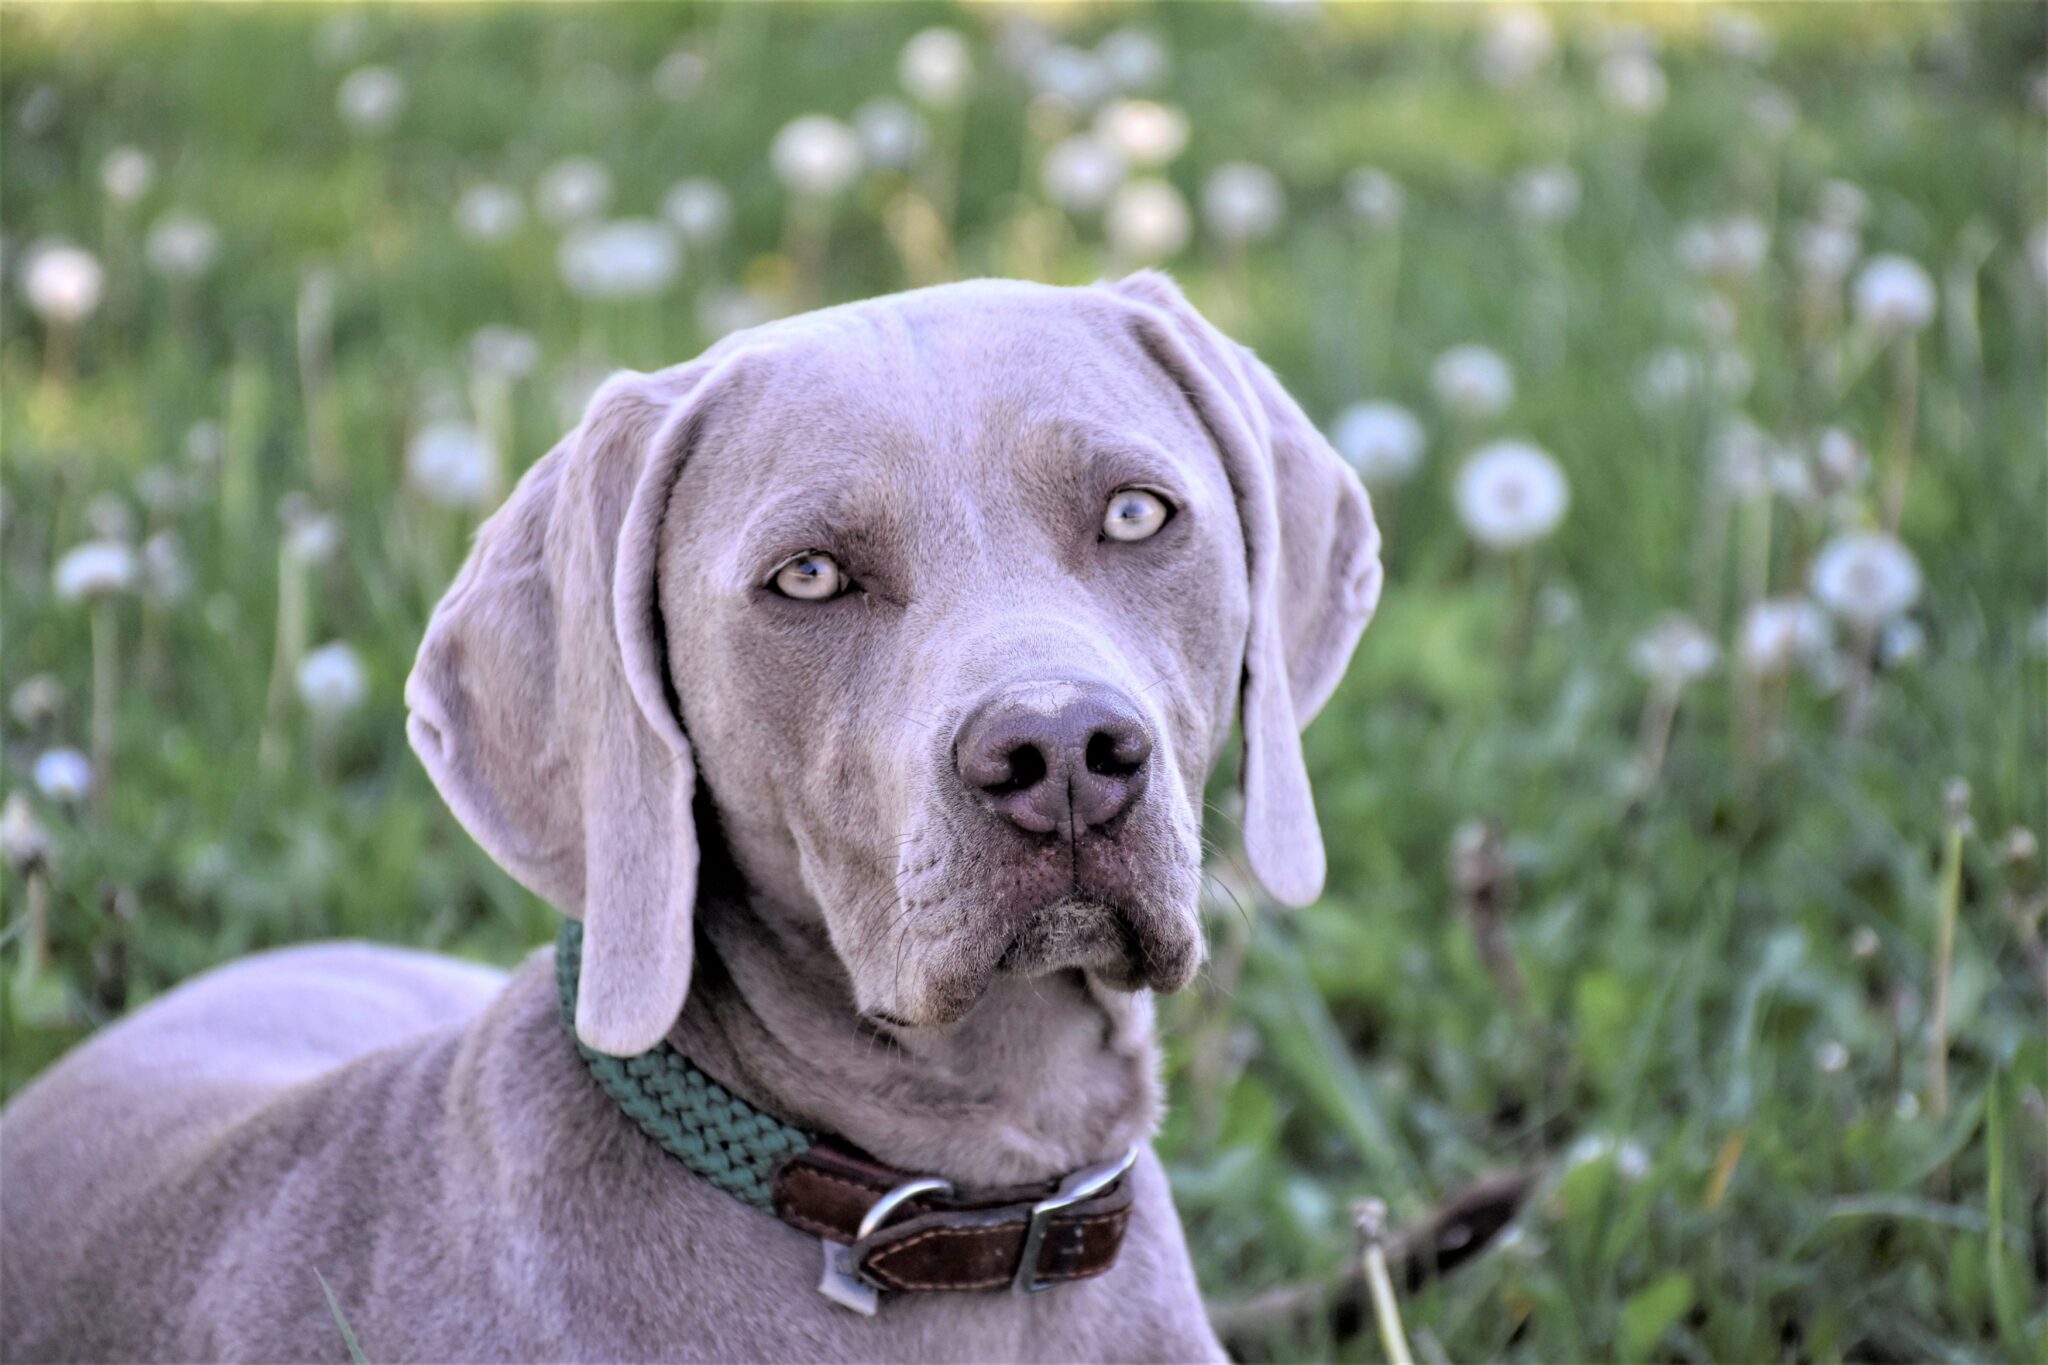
column 696, row 1120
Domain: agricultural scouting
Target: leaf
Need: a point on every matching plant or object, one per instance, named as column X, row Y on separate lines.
column 348, row 1335
column 1653, row 1311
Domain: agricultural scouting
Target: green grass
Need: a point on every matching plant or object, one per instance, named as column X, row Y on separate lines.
column 1718, row 1063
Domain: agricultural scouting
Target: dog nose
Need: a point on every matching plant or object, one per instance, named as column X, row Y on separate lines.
column 1056, row 755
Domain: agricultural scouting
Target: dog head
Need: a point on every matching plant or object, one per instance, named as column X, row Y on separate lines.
column 944, row 604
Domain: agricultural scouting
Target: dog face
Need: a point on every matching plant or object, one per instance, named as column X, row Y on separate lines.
column 946, row 601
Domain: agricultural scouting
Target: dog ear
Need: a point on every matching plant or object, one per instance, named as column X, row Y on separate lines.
column 541, row 709
column 1314, row 566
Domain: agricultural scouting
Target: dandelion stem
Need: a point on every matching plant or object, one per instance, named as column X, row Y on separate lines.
column 291, row 646
column 1905, row 416
column 1371, row 1216
column 1948, row 902
column 35, row 929
column 106, row 684
column 1653, row 735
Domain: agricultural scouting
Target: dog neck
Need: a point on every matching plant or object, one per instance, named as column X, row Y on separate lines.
column 1045, row 1075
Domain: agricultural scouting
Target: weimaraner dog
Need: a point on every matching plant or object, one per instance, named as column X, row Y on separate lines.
column 851, row 690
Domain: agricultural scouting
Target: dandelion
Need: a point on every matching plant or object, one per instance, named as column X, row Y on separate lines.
column 36, row 701
column 1382, row 441
column 25, row 845
column 1864, row 943
column 1081, row 172
column 1674, row 652
column 1866, row 577
column 1728, row 249
column 62, row 283
column 96, row 569
column 1544, row 196
column 332, row 682
column 1374, row 197
column 1472, row 381
column 892, row 134
column 1242, row 202
column 815, row 155
column 504, row 353
column 370, row 99
column 679, row 75
column 1842, row 204
column 1894, row 295
column 628, row 259
column 1069, row 76
column 700, row 210
column 310, row 537
column 1510, row 494
column 489, row 212
column 181, row 246
column 1830, row 1057
column 451, row 464
column 721, row 312
column 1148, row 221
column 64, row 775
column 572, row 190
column 1901, row 642
column 1517, row 44
column 1147, row 133
column 1631, row 1161
column 1776, row 633
column 1633, row 83
column 936, row 66
column 126, row 175
column 166, row 577
column 1826, row 253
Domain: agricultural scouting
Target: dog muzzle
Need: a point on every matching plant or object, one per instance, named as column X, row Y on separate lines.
column 882, row 1229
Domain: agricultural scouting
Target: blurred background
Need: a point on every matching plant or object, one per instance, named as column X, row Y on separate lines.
column 1680, row 984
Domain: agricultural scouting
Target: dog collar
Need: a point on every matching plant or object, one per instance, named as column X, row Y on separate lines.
column 882, row 1228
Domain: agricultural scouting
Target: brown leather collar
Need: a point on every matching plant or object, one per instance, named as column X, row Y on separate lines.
column 887, row 1229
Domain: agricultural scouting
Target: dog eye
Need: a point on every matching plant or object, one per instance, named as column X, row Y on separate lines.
column 1134, row 514
column 810, row 578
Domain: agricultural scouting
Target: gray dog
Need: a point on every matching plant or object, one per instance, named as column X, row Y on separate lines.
column 852, row 687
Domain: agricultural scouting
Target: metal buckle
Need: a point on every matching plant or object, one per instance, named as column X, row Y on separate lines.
column 1080, row 1185
column 841, row 1281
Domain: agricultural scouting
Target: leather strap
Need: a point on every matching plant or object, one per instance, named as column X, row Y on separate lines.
column 961, row 1240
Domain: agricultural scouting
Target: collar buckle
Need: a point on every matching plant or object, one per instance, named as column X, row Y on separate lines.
column 842, row 1281
column 1085, row 1183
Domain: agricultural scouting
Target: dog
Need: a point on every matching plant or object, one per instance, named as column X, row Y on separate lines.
column 852, row 689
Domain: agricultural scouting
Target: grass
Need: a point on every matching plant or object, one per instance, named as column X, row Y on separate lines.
column 1697, row 1012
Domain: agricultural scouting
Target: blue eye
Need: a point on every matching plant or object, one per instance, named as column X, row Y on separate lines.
column 810, row 578
column 1134, row 514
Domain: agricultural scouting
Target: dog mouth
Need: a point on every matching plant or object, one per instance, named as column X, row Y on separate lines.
column 1097, row 936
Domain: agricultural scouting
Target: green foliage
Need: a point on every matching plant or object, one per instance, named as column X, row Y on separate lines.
column 1691, row 992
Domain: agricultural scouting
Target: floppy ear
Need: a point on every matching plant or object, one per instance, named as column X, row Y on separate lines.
column 1314, row 566
column 540, row 707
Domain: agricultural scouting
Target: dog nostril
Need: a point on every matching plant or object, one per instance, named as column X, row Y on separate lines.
column 1111, row 755
column 1026, row 766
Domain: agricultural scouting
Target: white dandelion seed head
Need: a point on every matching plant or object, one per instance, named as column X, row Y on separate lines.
column 1147, row 221
column 1374, row 197
column 680, row 74
column 1133, row 58
column 1777, row 633
column 1894, row 294
column 182, row 246
column 1147, row 133
column 1731, row 248
column 96, row 569
column 1243, row 202
column 1081, row 172
column 126, row 174
column 1674, row 652
column 1517, row 43
column 1902, row 641
column 205, row 442
column 1740, row 454
column 1072, row 77
column 332, row 681
column 721, row 312
column 1667, row 378
column 24, row 843
column 815, row 155
column 489, row 212
column 1473, row 381
column 1382, row 441
column 1544, row 195
column 1842, row 204
column 110, row 517
column 162, row 488
column 64, row 775
column 1792, row 479
column 572, row 190
column 1866, row 578
column 503, row 352
column 370, row 99
column 451, row 464
column 1864, row 943
column 1739, row 36
column 1830, row 1057
column 892, row 134
column 166, row 576
column 1826, row 252
column 1633, row 83
column 701, row 209
column 1839, row 461
column 61, row 282
column 36, row 700
column 632, row 258
column 310, row 536
column 1510, row 494
column 936, row 67
column 1631, row 1160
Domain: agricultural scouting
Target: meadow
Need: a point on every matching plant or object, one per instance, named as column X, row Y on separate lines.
column 1684, row 928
